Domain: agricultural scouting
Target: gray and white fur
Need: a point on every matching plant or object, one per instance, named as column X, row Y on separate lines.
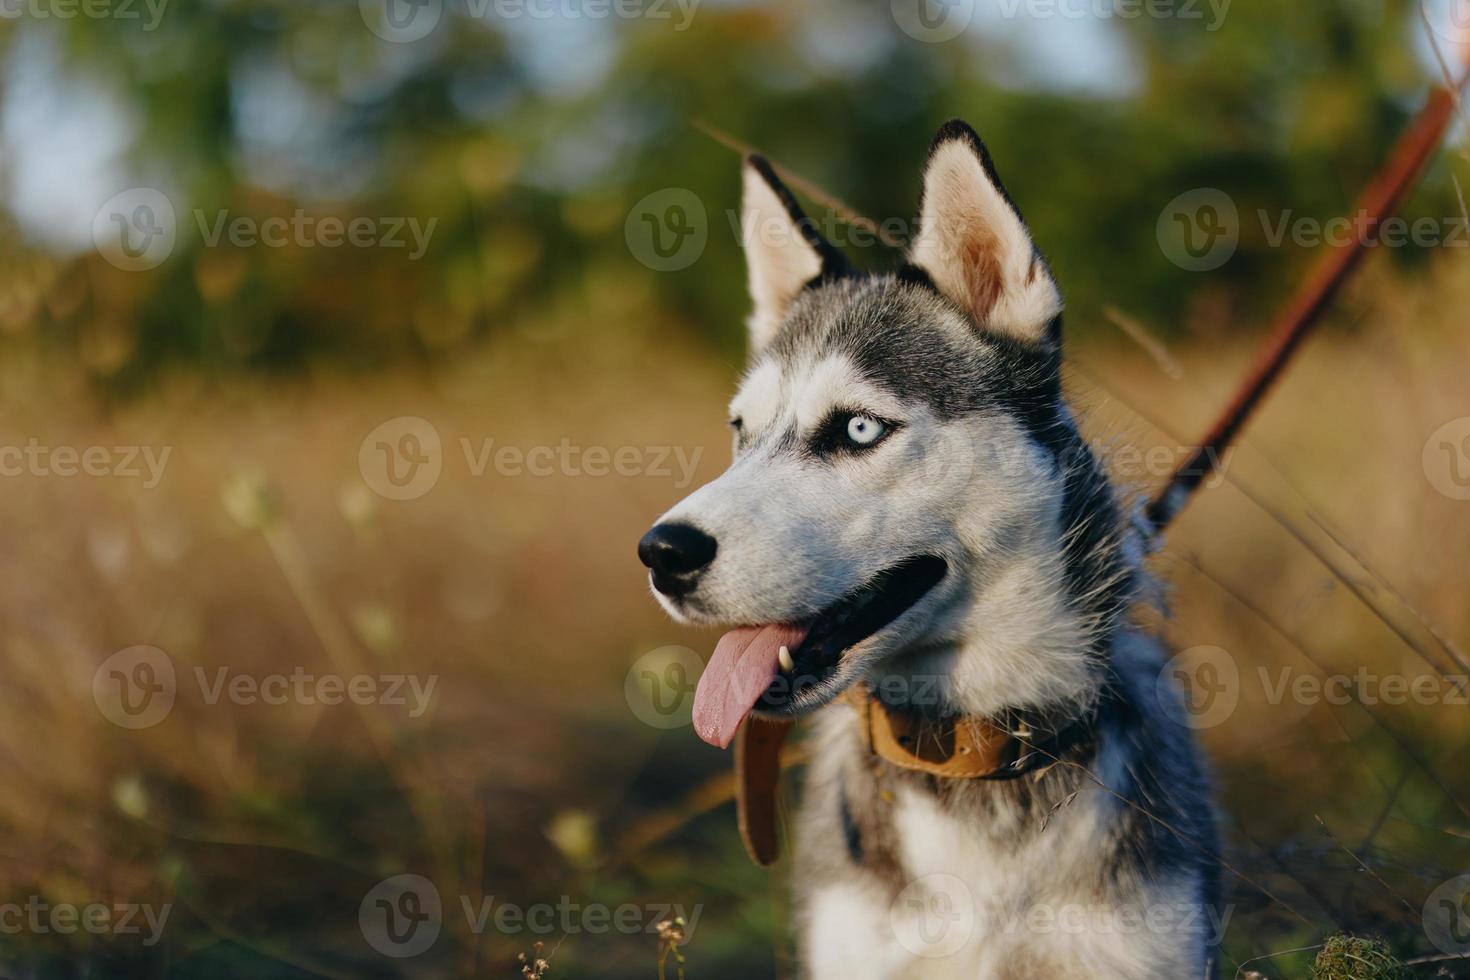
column 1100, row 862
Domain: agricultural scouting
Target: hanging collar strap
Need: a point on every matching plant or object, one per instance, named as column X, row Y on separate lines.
column 949, row 748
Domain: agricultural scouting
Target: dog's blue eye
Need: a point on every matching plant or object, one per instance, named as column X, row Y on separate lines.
column 864, row 430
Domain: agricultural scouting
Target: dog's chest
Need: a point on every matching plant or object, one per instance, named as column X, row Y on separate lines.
column 996, row 848
column 968, row 902
column 996, row 865
column 952, row 886
column 950, row 896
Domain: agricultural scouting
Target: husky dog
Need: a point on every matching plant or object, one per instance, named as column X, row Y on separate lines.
column 912, row 513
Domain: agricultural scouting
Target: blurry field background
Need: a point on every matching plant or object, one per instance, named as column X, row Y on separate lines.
column 534, row 318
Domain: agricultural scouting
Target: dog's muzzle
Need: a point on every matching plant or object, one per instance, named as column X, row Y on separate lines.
column 676, row 555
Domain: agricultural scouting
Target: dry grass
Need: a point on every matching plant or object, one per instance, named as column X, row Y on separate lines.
column 1352, row 958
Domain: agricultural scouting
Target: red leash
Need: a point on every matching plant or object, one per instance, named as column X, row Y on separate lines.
column 1379, row 200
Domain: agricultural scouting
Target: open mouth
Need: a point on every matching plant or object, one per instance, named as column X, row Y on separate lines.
column 774, row 666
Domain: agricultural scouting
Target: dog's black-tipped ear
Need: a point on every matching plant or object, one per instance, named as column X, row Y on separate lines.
column 975, row 247
column 784, row 252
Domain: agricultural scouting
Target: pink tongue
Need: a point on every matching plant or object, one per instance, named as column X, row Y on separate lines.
column 744, row 662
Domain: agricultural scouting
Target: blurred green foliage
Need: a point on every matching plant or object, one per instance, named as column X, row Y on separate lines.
column 529, row 147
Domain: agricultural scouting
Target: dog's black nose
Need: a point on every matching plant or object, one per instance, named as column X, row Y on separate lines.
column 675, row 549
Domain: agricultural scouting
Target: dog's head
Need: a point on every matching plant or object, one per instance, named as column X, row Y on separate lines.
column 896, row 472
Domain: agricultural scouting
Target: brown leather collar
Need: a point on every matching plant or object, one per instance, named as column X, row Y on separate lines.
column 952, row 748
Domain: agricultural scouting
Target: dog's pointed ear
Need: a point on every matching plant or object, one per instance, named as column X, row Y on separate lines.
column 974, row 246
column 784, row 252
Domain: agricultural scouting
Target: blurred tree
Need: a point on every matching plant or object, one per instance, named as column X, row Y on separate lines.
column 526, row 142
